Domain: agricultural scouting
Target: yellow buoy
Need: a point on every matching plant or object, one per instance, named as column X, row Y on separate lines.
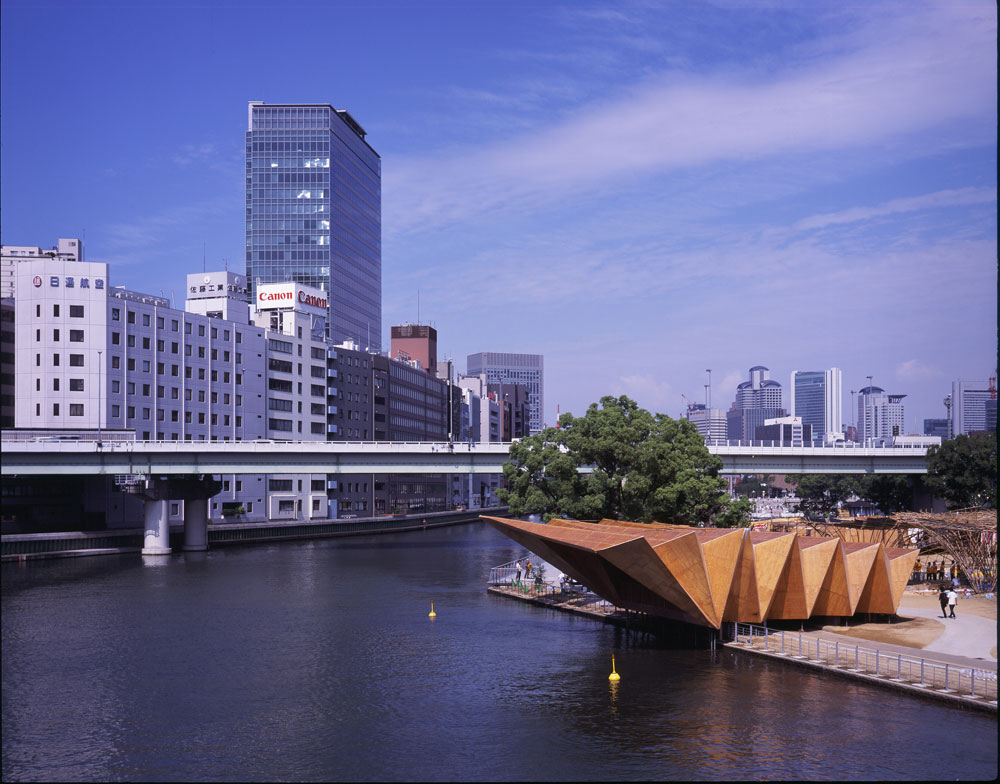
column 432, row 614
column 614, row 677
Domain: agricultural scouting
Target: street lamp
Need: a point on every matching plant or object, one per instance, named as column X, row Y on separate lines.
column 100, row 401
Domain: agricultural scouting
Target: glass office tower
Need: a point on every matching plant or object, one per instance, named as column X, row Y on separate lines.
column 816, row 398
column 314, row 212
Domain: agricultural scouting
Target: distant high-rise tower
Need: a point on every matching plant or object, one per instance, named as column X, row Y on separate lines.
column 314, row 212
column 526, row 369
column 756, row 400
column 968, row 406
column 880, row 416
column 817, row 400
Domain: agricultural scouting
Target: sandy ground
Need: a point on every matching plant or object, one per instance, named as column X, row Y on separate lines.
column 919, row 632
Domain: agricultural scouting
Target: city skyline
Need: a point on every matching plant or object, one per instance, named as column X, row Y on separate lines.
column 635, row 193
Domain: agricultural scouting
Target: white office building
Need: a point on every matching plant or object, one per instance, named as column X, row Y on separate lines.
column 969, row 400
column 880, row 416
column 66, row 249
column 711, row 422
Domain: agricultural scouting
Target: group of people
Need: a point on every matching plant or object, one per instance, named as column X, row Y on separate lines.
column 922, row 572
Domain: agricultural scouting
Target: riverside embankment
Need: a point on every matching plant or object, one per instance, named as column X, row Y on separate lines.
column 69, row 544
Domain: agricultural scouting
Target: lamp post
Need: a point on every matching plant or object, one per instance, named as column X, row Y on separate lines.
column 100, row 400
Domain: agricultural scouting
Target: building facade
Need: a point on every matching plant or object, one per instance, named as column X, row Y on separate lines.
column 66, row 249
column 936, row 427
column 880, row 416
column 711, row 422
column 817, row 398
column 313, row 212
column 526, row 369
column 756, row 400
column 785, row 431
column 969, row 401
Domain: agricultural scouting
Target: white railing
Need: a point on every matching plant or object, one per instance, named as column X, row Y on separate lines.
column 838, row 446
column 893, row 666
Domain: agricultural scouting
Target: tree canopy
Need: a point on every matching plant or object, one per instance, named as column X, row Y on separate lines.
column 822, row 494
column 963, row 470
column 645, row 467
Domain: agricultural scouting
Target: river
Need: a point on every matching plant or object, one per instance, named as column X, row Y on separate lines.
column 312, row 661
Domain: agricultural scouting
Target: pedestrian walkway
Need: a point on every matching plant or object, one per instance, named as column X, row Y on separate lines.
column 968, row 636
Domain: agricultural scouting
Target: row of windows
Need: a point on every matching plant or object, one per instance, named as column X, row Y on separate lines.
column 75, row 311
column 75, row 335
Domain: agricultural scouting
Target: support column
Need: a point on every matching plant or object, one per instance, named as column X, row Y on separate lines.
column 157, row 533
column 196, row 525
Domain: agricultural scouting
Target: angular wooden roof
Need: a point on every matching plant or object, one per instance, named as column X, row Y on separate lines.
column 707, row 576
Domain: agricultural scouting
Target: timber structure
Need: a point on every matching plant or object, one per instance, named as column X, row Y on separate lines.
column 708, row 576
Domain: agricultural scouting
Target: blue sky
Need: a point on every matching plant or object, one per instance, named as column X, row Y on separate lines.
column 639, row 191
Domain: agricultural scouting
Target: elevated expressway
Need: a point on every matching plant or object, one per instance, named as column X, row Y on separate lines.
column 164, row 458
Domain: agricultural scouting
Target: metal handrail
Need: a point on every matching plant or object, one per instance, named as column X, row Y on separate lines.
column 894, row 666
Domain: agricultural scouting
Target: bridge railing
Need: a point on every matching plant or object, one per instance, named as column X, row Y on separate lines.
column 871, row 660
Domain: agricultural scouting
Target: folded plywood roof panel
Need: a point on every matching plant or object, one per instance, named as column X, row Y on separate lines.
column 710, row 575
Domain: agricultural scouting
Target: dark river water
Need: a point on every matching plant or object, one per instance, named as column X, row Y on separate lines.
column 317, row 661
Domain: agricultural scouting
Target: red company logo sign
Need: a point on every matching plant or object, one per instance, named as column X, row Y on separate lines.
column 276, row 296
column 37, row 281
column 309, row 299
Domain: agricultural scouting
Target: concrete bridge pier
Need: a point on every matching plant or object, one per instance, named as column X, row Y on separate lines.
column 196, row 525
column 156, row 538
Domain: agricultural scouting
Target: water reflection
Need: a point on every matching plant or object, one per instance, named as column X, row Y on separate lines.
column 317, row 661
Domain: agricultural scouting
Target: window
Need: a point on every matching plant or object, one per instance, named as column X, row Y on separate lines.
column 318, row 391
column 173, row 393
column 215, row 332
column 130, row 364
column 55, row 311
column 316, row 409
column 201, row 374
column 116, row 338
column 159, row 322
column 55, row 334
column 173, row 416
column 76, row 336
column 187, row 328
column 279, row 365
column 173, row 326
column 145, row 344
column 76, row 385
column 225, row 334
column 173, row 348
column 130, row 412
column 201, row 352
column 55, row 385
column 275, row 404
column 239, row 337
column 130, row 341
column 116, row 386
column 279, row 485
column 55, row 409
column 187, row 417
column 225, row 377
column 201, row 395
column 201, row 330
column 145, row 390
column 116, row 411
column 187, row 350
column 130, row 387
column 279, row 385
column 116, row 363
column 116, row 314
column 280, row 424
column 281, row 346
column 317, row 428
column 174, row 370
column 145, row 366
column 145, row 414
column 55, row 360
column 130, row 317
column 215, row 375
column 76, row 311
column 145, row 319
column 317, row 353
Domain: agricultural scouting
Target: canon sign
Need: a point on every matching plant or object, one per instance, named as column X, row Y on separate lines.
column 277, row 296
column 310, row 299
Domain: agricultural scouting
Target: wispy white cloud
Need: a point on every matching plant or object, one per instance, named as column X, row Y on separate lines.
column 940, row 199
column 915, row 370
column 883, row 90
column 649, row 392
column 195, row 153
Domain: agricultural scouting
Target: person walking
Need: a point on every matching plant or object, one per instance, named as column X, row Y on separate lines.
column 952, row 601
column 943, row 599
column 517, row 567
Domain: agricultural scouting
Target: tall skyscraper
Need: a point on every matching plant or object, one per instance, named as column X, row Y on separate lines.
column 968, row 406
column 526, row 369
column 756, row 400
column 880, row 416
column 817, row 400
column 314, row 212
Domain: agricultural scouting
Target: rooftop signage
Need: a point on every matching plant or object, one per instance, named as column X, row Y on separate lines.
column 291, row 296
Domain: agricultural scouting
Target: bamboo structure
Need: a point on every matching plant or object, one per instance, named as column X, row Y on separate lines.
column 969, row 536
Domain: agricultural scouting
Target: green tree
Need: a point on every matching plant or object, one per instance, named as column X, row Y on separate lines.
column 644, row 467
column 963, row 470
column 889, row 492
column 822, row 494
